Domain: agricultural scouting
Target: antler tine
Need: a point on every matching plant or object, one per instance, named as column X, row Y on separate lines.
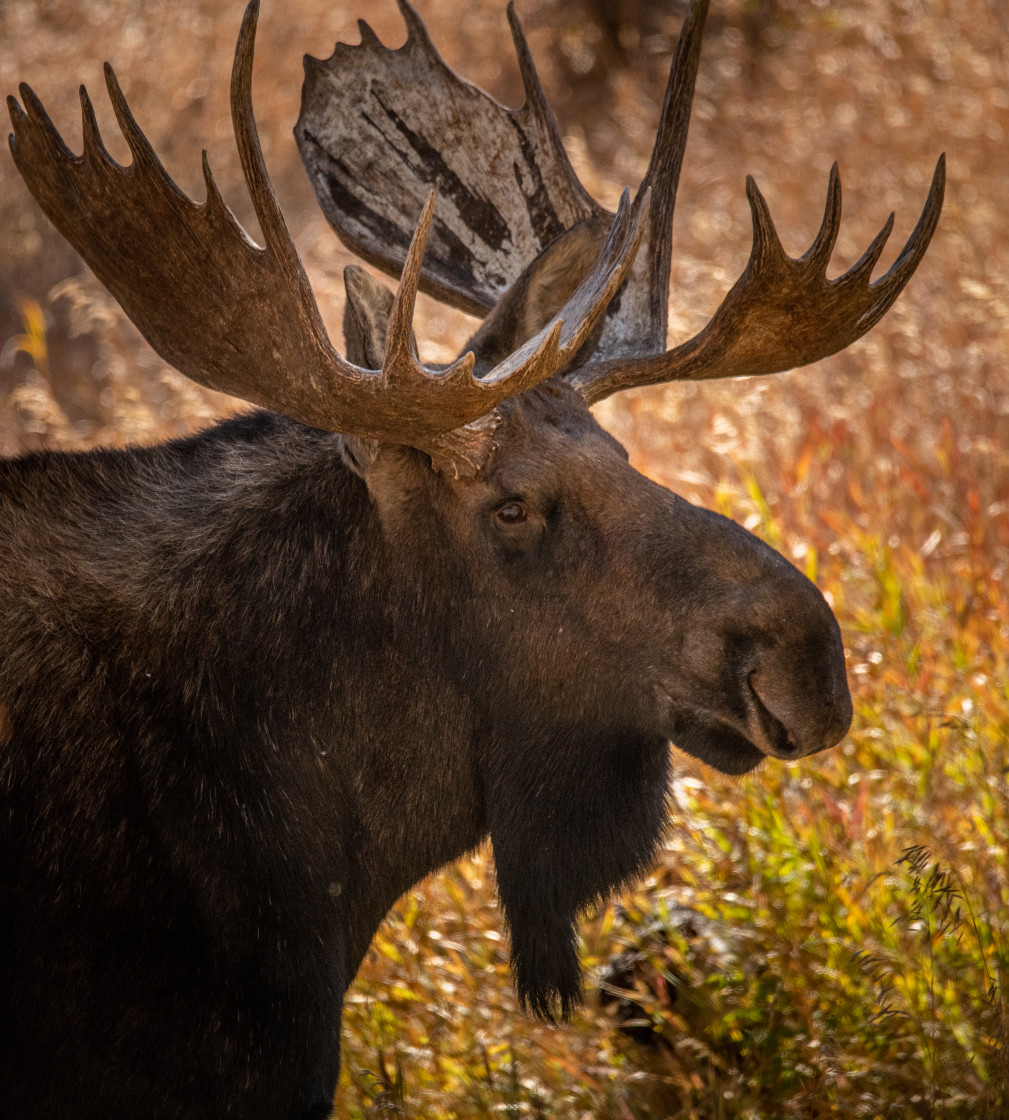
column 663, row 174
column 611, row 266
column 89, row 127
column 140, row 147
column 559, row 341
column 782, row 312
column 399, row 365
column 415, row 28
column 537, row 109
column 535, row 100
column 818, row 254
column 257, row 179
column 862, row 268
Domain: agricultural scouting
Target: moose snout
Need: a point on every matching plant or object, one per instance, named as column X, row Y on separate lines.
column 761, row 659
column 795, row 692
column 790, row 723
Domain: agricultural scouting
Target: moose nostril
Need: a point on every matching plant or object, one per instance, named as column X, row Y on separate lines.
column 787, row 745
column 771, row 733
column 791, row 744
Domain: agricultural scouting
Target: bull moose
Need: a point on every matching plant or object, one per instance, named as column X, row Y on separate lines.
column 257, row 682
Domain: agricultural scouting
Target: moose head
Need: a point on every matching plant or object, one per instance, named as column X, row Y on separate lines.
column 304, row 659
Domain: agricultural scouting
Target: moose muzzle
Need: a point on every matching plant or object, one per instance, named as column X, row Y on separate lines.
column 760, row 667
column 791, row 686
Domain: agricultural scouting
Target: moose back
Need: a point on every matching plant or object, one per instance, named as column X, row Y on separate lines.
column 256, row 683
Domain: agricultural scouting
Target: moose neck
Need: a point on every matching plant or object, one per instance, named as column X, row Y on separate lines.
column 340, row 733
column 373, row 694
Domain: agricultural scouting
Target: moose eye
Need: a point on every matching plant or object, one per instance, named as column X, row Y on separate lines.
column 512, row 513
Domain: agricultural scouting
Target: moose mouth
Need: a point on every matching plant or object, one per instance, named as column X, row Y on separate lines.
column 729, row 747
column 717, row 744
column 737, row 745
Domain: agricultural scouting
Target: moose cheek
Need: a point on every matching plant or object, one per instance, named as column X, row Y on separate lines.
column 521, row 546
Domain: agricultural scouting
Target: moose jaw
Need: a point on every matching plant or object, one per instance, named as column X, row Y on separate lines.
column 258, row 682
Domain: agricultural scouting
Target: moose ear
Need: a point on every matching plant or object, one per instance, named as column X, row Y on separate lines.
column 366, row 318
column 365, row 321
column 538, row 294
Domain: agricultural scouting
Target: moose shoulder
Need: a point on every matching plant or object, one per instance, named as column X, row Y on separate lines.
column 256, row 683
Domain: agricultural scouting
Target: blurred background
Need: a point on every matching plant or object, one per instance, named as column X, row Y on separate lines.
column 828, row 938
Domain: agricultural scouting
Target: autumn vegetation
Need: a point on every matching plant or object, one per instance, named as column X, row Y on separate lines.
column 829, row 938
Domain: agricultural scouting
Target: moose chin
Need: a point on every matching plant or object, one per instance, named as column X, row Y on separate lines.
column 258, row 682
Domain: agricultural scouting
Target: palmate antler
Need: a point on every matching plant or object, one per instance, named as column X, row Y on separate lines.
column 782, row 312
column 511, row 190
column 404, row 118
column 242, row 319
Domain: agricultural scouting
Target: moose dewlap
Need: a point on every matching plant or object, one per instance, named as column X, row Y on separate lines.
column 258, row 682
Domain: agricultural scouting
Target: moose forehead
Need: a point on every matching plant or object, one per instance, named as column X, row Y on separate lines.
column 549, row 437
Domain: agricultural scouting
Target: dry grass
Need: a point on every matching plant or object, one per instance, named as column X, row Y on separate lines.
column 833, row 979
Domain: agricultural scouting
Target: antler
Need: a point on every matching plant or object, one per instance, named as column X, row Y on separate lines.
column 405, row 117
column 220, row 308
column 406, row 110
column 781, row 312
